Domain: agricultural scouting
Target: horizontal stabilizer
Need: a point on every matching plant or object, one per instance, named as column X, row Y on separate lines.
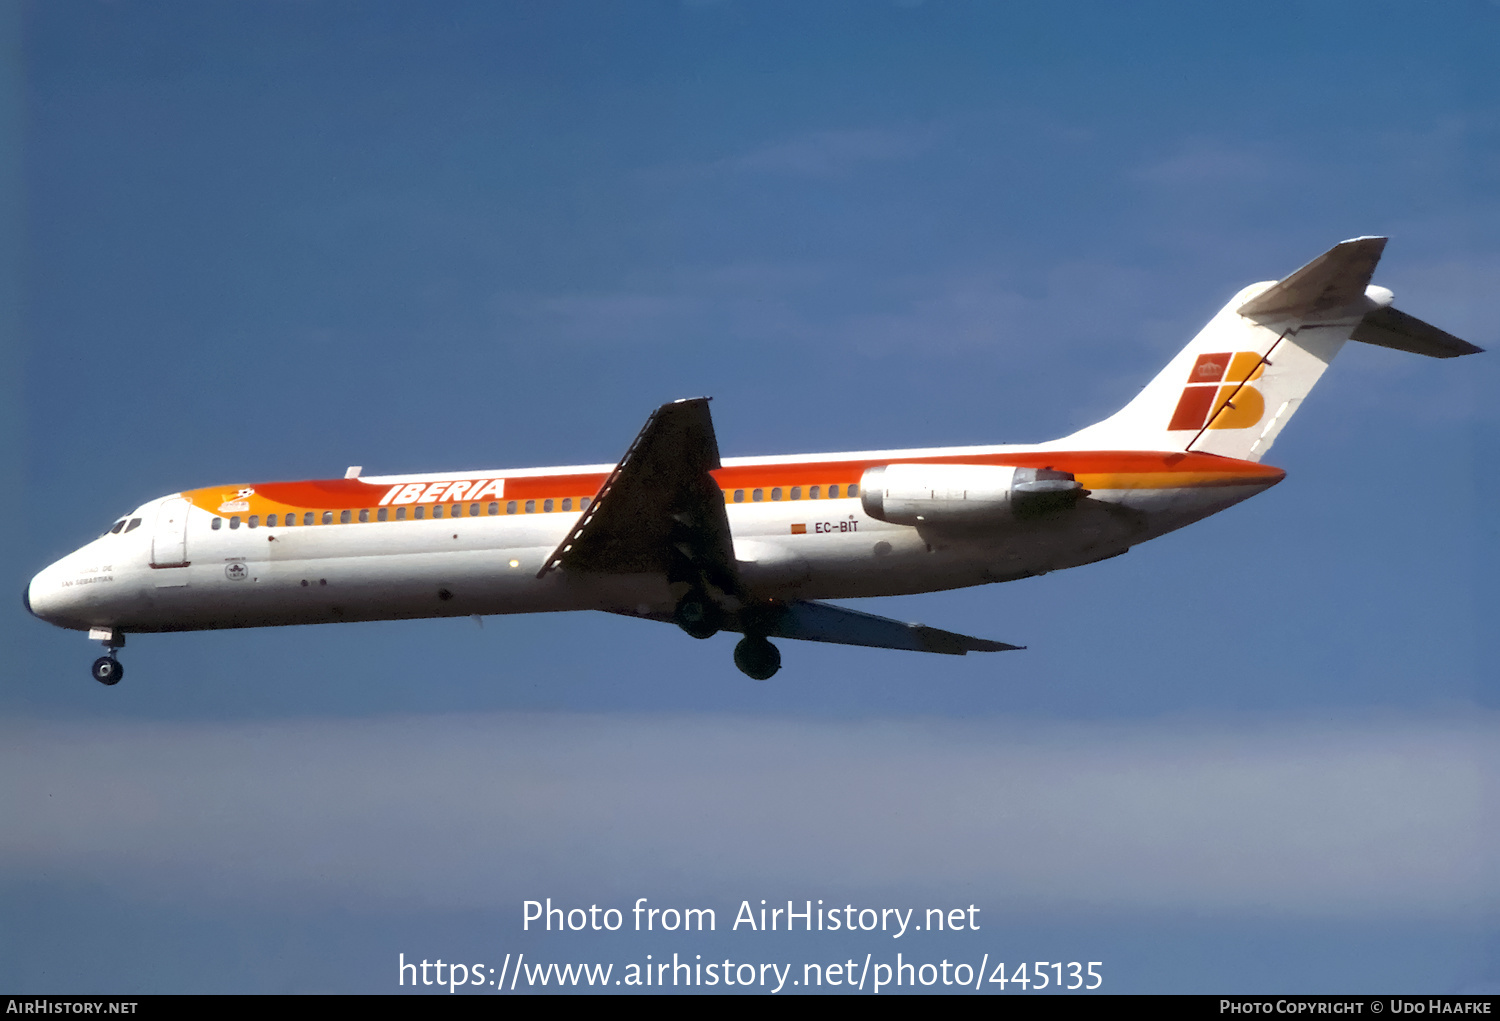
column 1333, row 280
column 1386, row 327
column 823, row 622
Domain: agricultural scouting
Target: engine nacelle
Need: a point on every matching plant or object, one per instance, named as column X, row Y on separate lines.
column 965, row 495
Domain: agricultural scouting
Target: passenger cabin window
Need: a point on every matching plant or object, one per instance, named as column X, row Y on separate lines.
column 381, row 515
column 437, row 510
column 307, row 518
column 584, row 503
column 758, row 495
column 833, row 492
column 494, row 509
column 812, row 494
column 343, row 517
column 567, row 503
column 328, row 517
column 776, row 493
column 547, row 506
column 796, row 492
column 510, row 507
column 291, row 519
column 400, row 513
column 530, row 506
column 853, row 491
column 364, row 514
column 217, row 524
column 739, row 496
column 473, row 510
column 234, row 522
column 418, row 513
column 254, row 521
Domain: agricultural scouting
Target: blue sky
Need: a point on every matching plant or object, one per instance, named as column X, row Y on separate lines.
column 268, row 241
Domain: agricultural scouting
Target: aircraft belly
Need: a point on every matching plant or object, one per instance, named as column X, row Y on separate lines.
column 850, row 555
column 242, row 593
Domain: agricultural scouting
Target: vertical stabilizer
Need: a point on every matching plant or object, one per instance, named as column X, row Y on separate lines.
column 1233, row 388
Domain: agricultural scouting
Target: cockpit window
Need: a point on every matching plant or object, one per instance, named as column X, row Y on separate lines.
column 118, row 525
column 134, row 524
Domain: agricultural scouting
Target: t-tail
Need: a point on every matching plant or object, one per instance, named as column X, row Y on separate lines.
column 1233, row 389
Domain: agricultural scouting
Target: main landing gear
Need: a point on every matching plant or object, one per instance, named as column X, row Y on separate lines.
column 697, row 614
column 757, row 658
column 701, row 617
column 108, row 669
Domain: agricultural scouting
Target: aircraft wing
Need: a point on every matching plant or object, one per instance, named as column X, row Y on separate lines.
column 824, row 622
column 660, row 511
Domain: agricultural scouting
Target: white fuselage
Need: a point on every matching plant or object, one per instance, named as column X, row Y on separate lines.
column 185, row 568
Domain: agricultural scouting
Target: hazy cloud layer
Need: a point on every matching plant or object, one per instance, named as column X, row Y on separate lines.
column 833, row 153
column 1313, row 820
column 980, row 308
column 1208, row 162
column 821, row 154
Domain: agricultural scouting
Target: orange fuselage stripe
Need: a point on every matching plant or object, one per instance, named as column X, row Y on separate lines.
column 1095, row 470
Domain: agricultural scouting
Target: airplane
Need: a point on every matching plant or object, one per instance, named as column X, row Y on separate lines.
column 673, row 532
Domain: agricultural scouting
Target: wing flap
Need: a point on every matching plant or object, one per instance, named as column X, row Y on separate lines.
column 823, row 622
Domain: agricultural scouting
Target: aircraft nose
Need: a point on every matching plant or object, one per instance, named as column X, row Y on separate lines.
column 37, row 596
column 44, row 600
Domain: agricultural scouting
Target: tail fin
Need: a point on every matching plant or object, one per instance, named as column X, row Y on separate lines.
column 1235, row 386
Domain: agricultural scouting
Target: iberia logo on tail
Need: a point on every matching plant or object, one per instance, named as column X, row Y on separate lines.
column 1218, row 392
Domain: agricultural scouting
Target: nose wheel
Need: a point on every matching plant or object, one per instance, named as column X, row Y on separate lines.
column 108, row 670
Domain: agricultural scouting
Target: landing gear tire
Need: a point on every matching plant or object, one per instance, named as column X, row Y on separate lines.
column 757, row 658
column 108, row 670
column 697, row 615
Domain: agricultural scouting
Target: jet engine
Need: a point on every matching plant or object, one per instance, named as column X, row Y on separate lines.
column 965, row 495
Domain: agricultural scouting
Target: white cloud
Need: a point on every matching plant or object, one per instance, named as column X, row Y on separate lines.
column 986, row 308
column 747, row 302
column 1324, row 820
column 832, row 153
column 823, row 154
column 973, row 308
column 1207, row 162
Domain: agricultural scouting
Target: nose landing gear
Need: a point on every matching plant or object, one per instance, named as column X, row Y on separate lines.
column 108, row 669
